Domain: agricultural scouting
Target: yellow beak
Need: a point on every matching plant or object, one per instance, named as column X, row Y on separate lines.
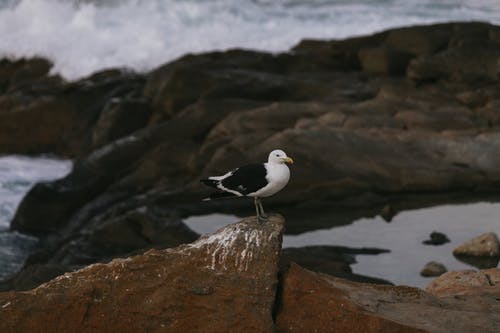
column 288, row 160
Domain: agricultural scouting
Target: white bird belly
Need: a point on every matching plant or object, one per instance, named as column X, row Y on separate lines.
column 277, row 177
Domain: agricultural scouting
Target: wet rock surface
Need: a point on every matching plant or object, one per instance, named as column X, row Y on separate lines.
column 370, row 121
column 223, row 282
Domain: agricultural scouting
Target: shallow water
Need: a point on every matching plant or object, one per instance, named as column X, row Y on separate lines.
column 17, row 175
column 14, row 248
column 81, row 37
column 403, row 237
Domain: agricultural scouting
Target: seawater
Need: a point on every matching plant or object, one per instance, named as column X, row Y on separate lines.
column 403, row 236
column 17, row 175
column 81, row 37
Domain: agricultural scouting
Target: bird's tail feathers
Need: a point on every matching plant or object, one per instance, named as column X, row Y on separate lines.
column 218, row 195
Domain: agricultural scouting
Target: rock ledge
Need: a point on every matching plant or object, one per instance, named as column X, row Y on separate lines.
column 225, row 281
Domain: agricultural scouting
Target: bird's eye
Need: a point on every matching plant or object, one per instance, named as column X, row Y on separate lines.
column 278, row 155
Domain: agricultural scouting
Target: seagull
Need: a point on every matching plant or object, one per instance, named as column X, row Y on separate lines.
column 253, row 180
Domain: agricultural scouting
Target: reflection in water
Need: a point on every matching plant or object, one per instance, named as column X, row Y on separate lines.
column 479, row 262
column 403, row 237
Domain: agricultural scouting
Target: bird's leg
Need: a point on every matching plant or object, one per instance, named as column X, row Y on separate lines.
column 256, row 202
column 262, row 215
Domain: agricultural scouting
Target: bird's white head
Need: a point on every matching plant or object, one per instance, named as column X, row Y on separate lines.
column 279, row 156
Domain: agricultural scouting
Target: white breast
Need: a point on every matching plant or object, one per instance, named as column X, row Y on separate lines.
column 277, row 176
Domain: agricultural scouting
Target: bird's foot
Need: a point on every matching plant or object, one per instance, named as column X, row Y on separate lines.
column 262, row 219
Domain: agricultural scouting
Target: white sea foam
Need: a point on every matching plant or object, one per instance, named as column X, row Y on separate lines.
column 83, row 36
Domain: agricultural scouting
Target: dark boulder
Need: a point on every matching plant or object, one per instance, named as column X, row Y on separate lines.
column 120, row 118
column 15, row 73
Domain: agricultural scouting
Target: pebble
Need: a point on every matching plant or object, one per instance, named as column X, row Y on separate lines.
column 437, row 238
column 433, row 269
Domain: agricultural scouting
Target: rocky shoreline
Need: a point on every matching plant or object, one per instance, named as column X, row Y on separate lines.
column 230, row 281
column 401, row 119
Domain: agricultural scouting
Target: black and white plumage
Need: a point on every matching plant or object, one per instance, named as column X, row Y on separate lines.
column 253, row 180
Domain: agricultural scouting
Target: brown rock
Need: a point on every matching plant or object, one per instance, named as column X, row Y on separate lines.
column 60, row 116
column 330, row 119
column 90, row 96
column 312, row 302
column 490, row 112
column 120, row 118
column 473, row 34
column 382, row 60
column 31, row 69
column 224, row 282
column 465, row 282
column 46, row 120
column 439, row 119
column 472, row 99
column 494, row 34
column 380, row 121
column 214, row 75
column 336, row 54
column 419, row 40
column 433, row 269
column 264, row 120
column 485, row 245
column 387, row 213
column 493, row 275
column 462, row 63
column 16, row 72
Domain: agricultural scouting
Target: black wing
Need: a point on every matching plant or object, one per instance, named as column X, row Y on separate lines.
column 247, row 179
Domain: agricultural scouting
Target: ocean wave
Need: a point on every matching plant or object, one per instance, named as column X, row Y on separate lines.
column 81, row 37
